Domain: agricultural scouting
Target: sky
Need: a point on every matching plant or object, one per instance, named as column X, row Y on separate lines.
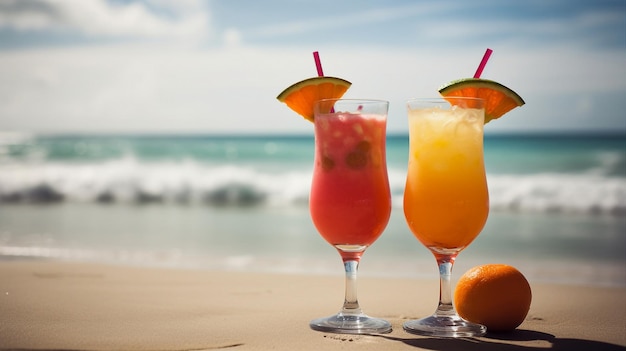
column 213, row 67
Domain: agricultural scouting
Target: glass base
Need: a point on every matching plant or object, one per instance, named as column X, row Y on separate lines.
column 445, row 327
column 351, row 324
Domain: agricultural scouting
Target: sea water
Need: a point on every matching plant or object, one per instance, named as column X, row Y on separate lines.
column 237, row 202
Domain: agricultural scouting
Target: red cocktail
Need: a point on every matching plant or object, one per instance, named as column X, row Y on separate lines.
column 350, row 201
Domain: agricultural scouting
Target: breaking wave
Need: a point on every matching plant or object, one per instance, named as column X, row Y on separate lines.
column 128, row 180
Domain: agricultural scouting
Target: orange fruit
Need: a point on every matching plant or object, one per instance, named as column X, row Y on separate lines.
column 498, row 98
column 301, row 96
column 497, row 296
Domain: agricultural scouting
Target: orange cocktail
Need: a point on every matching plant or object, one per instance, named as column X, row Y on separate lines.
column 350, row 201
column 446, row 202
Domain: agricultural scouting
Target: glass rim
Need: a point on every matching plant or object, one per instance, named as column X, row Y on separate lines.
column 361, row 100
column 446, row 102
column 444, row 99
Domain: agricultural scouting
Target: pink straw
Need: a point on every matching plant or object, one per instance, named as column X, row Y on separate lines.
column 318, row 64
column 483, row 63
column 320, row 72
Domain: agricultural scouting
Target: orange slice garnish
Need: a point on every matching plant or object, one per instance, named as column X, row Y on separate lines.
column 301, row 96
column 498, row 98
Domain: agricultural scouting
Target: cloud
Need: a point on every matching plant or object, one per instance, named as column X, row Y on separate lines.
column 152, row 88
column 431, row 24
column 99, row 18
column 161, row 86
column 346, row 19
column 231, row 37
column 584, row 106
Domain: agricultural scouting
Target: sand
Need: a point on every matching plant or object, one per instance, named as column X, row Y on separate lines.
column 81, row 306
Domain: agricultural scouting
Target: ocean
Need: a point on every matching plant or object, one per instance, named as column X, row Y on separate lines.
column 240, row 202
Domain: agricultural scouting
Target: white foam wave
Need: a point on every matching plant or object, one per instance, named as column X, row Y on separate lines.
column 582, row 193
column 127, row 180
column 130, row 181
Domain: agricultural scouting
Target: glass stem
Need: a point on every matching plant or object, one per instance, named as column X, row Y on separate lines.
column 445, row 307
column 351, row 303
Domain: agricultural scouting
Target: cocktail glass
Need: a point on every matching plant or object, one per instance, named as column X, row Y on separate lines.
column 350, row 200
column 446, row 202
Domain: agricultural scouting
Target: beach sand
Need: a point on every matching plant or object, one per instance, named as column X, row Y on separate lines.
column 83, row 306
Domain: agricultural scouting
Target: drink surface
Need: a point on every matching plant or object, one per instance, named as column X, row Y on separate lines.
column 350, row 201
column 446, row 201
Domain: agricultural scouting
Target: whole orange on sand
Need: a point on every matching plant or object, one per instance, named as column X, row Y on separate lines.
column 497, row 296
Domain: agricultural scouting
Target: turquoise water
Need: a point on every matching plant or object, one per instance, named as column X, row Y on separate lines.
column 558, row 204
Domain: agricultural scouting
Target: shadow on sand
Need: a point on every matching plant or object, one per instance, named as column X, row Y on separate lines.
column 499, row 343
